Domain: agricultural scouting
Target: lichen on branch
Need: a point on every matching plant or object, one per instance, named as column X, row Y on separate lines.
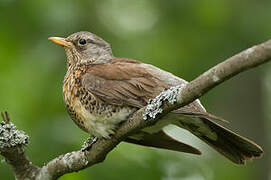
column 154, row 106
column 10, row 136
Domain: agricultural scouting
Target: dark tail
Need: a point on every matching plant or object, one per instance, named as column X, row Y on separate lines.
column 233, row 146
column 161, row 140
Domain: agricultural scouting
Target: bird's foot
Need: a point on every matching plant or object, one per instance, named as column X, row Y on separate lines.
column 88, row 143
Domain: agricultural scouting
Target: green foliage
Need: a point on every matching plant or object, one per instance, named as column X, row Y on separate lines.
column 185, row 37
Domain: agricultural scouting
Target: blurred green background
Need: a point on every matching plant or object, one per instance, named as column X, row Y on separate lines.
column 185, row 37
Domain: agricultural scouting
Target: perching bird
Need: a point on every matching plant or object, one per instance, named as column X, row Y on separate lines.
column 100, row 91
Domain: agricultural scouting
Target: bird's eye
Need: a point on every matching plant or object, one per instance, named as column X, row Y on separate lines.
column 82, row 41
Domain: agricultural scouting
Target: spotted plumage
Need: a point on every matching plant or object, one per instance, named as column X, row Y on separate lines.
column 100, row 91
column 89, row 112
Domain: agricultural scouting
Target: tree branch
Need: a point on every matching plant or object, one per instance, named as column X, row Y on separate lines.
column 167, row 101
column 12, row 142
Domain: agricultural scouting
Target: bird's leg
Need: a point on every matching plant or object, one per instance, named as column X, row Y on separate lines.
column 88, row 143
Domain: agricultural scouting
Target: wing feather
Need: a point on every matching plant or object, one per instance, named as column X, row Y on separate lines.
column 122, row 83
column 127, row 82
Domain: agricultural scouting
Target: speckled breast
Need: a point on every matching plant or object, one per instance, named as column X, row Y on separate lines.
column 72, row 92
column 90, row 113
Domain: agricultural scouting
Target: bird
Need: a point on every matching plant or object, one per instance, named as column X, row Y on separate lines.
column 101, row 91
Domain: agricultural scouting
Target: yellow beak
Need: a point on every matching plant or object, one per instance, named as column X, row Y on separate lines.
column 60, row 41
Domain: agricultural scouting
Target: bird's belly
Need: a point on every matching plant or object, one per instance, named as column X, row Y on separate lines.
column 100, row 121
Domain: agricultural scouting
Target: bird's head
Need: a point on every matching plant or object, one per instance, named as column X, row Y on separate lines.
column 84, row 47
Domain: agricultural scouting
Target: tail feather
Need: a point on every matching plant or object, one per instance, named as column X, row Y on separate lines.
column 233, row 146
column 161, row 140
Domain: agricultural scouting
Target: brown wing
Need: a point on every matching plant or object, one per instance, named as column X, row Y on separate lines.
column 122, row 82
column 131, row 83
